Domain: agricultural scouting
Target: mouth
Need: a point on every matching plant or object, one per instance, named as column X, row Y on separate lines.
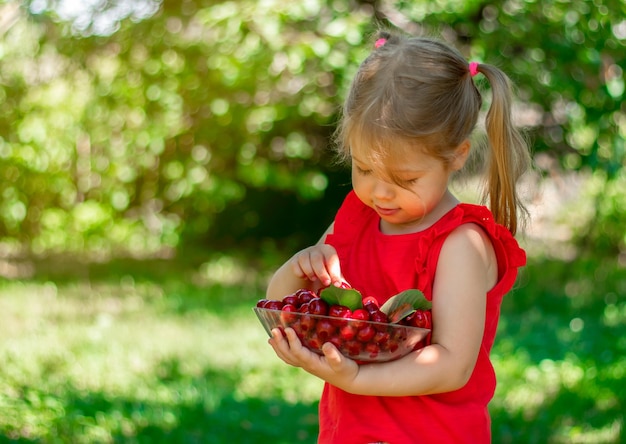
column 386, row 211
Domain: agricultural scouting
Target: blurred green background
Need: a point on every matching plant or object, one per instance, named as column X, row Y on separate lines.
column 159, row 159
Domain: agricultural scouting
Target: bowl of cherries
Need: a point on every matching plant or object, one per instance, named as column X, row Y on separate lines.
column 359, row 328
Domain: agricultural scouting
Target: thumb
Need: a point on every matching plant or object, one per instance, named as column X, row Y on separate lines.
column 333, row 357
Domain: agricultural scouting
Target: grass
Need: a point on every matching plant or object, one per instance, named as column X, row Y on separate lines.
column 160, row 351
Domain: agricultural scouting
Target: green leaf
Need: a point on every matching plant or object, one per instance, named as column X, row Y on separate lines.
column 348, row 297
column 400, row 312
column 403, row 304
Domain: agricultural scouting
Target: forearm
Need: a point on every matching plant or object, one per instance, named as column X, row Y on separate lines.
column 285, row 282
column 291, row 276
column 432, row 369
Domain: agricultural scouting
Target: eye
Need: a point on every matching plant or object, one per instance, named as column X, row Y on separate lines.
column 362, row 172
column 406, row 180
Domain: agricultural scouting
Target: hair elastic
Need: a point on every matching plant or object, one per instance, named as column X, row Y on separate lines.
column 473, row 68
column 380, row 42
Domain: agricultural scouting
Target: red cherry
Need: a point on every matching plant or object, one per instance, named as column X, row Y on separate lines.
column 287, row 315
column 304, row 308
column 305, row 296
column 429, row 319
column 261, row 303
column 318, row 306
column 307, row 323
column 314, row 342
column 373, row 349
column 324, row 329
column 347, row 332
column 365, row 333
column 393, row 346
column 381, row 317
column 370, row 304
column 399, row 334
column 335, row 311
column 407, row 320
column 360, row 315
column 381, row 337
column 273, row 305
column 341, row 314
column 291, row 300
column 297, row 327
column 353, row 347
column 336, row 341
column 420, row 319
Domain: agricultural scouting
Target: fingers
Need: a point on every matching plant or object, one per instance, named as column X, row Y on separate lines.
column 281, row 346
column 332, row 367
column 288, row 347
column 334, row 270
column 319, row 262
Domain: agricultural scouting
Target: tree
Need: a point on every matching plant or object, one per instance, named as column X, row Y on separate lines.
column 209, row 121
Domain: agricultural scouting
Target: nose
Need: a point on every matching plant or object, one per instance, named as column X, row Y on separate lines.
column 383, row 190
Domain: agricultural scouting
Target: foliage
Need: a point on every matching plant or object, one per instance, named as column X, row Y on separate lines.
column 165, row 351
column 567, row 60
column 145, row 125
column 604, row 233
column 145, row 138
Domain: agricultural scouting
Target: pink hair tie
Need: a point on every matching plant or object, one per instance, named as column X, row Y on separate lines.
column 473, row 68
column 380, row 42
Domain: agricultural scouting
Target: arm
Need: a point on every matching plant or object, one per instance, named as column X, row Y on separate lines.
column 466, row 270
column 313, row 268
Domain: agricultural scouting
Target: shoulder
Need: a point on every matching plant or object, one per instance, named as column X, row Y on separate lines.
column 468, row 237
column 469, row 245
column 466, row 225
column 508, row 250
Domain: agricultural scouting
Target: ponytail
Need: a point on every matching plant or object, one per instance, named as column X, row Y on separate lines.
column 509, row 154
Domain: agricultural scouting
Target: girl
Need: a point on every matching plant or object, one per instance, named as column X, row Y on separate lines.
column 405, row 130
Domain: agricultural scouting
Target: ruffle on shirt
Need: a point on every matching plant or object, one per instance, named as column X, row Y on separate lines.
column 509, row 255
column 498, row 233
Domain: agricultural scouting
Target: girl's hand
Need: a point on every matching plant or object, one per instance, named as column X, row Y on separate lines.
column 313, row 268
column 318, row 263
column 333, row 367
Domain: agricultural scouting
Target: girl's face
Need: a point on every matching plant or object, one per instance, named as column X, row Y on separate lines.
column 418, row 199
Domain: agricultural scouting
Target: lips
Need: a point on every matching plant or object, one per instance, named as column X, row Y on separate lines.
column 386, row 211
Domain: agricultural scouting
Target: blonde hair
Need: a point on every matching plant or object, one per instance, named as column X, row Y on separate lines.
column 418, row 92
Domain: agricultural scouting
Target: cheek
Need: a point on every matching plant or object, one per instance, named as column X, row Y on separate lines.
column 357, row 180
column 359, row 185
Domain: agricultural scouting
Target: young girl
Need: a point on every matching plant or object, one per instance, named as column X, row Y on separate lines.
column 405, row 130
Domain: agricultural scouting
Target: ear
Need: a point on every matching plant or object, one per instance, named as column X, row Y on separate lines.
column 461, row 153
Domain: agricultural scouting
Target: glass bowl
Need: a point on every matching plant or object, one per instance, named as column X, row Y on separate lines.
column 363, row 341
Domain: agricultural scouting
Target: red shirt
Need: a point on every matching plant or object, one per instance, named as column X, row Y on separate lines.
column 381, row 266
